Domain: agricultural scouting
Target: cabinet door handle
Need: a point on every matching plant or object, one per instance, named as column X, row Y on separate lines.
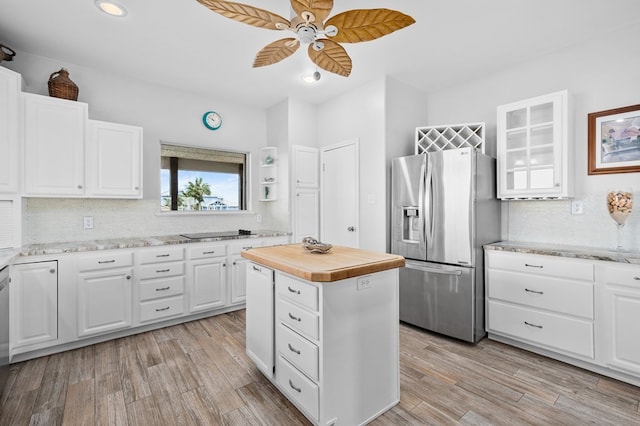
column 128, row 277
column 532, row 325
column 533, row 266
column 247, row 248
column 163, row 288
column 162, row 270
column 234, row 263
column 292, row 349
column 209, row 252
column 255, row 268
column 100, row 262
column 53, row 271
column 533, row 291
column 294, row 386
column 163, row 255
column 293, row 290
column 294, row 318
column 636, row 278
column 163, row 309
column 79, row 186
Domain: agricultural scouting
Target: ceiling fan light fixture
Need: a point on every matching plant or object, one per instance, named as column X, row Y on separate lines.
column 111, row 8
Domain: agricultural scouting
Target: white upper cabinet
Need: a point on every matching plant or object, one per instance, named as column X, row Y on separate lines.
column 534, row 148
column 54, row 135
column 114, row 160
column 305, row 167
column 10, row 83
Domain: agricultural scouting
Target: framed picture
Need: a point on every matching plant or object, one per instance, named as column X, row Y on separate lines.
column 614, row 141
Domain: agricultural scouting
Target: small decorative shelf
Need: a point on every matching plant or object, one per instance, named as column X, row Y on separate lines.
column 440, row 138
column 268, row 174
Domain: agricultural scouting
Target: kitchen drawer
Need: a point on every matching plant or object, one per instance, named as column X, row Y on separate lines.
column 157, row 289
column 96, row 262
column 297, row 291
column 552, row 294
column 554, row 331
column 206, row 251
column 298, row 350
column 297, row 318
column 554, row 266
column 164, row 254
column 240, row 246
column 163, row 308
column 300, row 389
column 161, row 270
column 628, row 276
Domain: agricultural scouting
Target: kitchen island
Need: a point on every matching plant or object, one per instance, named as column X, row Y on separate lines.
column 324, row 329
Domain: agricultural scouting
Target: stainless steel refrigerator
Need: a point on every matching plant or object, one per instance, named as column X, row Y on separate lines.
column 444, row 208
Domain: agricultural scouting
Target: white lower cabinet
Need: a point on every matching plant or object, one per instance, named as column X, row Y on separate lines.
column 104, row 292
column 581, row 311
column 622, row 317
column 34, row 305
column 207, row 277
column 331, row 347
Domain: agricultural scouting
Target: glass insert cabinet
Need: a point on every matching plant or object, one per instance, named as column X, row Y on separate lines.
column 534, row 152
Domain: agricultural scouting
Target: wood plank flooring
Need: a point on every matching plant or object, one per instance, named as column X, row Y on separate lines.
column 198, row 374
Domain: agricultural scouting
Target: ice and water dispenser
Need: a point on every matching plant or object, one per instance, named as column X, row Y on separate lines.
column 411, row 224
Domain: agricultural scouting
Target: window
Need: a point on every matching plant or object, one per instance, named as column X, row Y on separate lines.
column 200, row 179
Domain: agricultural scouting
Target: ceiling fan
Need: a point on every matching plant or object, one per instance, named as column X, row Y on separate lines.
column 310, row 27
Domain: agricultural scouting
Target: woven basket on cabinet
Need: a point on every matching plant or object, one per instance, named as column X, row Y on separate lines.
column 61, row 86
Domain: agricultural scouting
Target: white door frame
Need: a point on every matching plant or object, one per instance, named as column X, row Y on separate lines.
column 356, row 166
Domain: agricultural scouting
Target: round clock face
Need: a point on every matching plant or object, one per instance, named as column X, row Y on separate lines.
column 212, row 120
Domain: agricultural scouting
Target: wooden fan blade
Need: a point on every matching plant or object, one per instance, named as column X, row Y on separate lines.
column 320, row 8
column 275, row 52
column 247, row 14
column 359, row 25
column 332, row 58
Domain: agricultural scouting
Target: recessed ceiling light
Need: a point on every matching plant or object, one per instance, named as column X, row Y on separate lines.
column 111, row 8
column 311, row 77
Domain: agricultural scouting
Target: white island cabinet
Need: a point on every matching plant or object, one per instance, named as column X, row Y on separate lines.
column 331, row 343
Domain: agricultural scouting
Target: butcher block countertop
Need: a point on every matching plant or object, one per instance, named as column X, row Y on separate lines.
column 338, row 264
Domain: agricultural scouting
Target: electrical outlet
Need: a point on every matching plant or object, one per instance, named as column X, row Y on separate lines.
column 259, row 218
column 577, row 207
column 87, row 222
column 364, row 283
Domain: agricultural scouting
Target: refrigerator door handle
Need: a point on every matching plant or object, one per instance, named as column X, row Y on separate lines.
column 421, row 208
column 428, row 225
column 434, row 270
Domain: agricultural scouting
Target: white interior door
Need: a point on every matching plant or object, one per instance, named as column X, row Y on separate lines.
column 339, row 224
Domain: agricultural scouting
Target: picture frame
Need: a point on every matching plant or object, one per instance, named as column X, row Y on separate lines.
column 614, row 141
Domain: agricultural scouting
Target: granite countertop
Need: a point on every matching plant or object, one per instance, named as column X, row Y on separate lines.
column 7, row 255
column 337, row 264
column 121, row 243
column 577, row 252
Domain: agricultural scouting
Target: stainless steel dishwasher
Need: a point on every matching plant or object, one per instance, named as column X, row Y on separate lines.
column 4, row 327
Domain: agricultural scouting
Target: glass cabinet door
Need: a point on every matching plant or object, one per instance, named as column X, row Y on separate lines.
column 530, row 147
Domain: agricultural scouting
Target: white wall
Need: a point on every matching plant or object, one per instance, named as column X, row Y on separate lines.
column 599, row 75
column 165, row 115
column 383, row 116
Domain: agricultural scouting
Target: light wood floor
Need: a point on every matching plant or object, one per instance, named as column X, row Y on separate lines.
column 198, row 374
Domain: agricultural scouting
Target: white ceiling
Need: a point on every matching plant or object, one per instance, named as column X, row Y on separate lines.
column 182, row 44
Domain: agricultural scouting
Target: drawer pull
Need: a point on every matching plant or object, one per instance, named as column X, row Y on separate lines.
column 100, row 262
column 247, row 248
column 294, row 318
column 533, row 266
column 294, row 350
column 162, row 270
column 636, row 278
column 533, row 291
column 532, row 325
column 163, row 255
column 255, row 268
column 294, row 387
column 163, row 288
column 293, row 290
column 209, row 252
column 163, row 309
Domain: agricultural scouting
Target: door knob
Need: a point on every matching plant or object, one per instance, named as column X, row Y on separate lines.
column 351, row 229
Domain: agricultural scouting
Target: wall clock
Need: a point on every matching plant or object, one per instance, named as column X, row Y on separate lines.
column 212, row 120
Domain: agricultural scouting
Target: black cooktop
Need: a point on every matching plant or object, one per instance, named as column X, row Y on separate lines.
column 219, row 234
